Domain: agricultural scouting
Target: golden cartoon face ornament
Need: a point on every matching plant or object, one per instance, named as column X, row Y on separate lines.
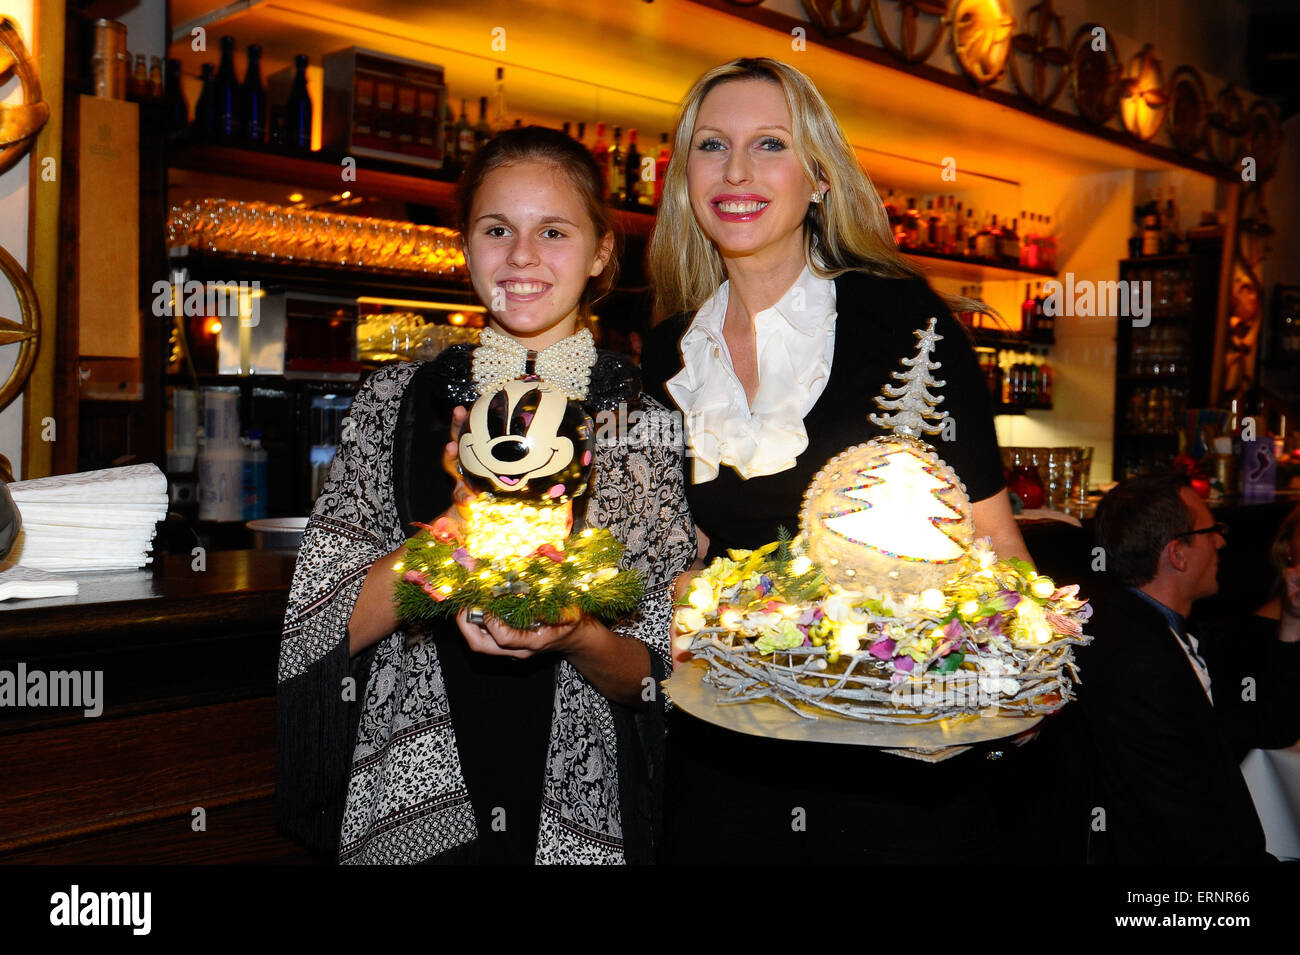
column 529, row 442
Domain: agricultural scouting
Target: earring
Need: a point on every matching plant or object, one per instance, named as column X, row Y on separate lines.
column 816, row 196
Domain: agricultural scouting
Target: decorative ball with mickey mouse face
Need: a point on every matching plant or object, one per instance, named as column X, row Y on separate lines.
column 527, row 442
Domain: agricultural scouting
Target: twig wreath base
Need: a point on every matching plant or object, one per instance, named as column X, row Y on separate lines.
column 856, row 687
column 439, row 578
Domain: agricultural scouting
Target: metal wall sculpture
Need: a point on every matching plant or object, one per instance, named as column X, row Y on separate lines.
column 983, row 38
column 19, row 122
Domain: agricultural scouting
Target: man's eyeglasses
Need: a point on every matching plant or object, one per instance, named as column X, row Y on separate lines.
column 1220, row 528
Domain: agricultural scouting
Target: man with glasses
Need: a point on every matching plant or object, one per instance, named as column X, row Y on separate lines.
column 1167, row 787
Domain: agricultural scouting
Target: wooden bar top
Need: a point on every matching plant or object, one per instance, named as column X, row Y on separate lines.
column 228, row 591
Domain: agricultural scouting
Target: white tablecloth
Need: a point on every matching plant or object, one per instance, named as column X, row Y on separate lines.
column 1273, row 776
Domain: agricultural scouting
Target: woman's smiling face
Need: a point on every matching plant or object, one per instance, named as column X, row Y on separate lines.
column 530, row 248
column 747, row 187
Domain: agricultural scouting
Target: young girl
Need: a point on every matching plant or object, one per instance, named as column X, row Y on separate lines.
column 475, row 742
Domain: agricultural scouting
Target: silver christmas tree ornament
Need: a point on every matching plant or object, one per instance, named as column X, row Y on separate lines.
column 912, row 403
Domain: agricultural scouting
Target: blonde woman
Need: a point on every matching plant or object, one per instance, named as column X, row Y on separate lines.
column 788, row 308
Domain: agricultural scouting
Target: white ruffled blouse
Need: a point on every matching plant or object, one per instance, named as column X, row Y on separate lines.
column 795, row 342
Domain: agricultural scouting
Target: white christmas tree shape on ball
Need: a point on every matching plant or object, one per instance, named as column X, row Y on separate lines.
column 912, row 402
column 901, row 514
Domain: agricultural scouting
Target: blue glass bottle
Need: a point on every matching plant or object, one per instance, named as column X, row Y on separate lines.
column 297, row 118
column 205, row 108
column 253, row 97
column 226, row 89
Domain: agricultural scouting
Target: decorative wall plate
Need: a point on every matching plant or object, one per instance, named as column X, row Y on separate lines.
column 1263, row 138
column 907, row 49
column 1228, row 129
column 1143, row 98
column 981, row 38
column 25, row 333
column 1094, row 75
column 837, row 17
column 1037, row 44
column 1189, row 110
column 1254, row 231
column 19, row 122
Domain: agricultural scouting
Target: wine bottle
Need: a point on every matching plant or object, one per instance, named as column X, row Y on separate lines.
column 632, row 172
column 615, row 183
column 226, row 103
column 253, row 97
column 205, row 116
column 297, row 118
column 464, row 137
column 176, row 111
column 600, row 151
column 482, row 131
column 1027, row 309
column 499, row 120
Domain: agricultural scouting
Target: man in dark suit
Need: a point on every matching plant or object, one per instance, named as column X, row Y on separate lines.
column 1167, row 786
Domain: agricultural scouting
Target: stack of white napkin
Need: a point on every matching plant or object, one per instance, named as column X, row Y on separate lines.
column 95, row 520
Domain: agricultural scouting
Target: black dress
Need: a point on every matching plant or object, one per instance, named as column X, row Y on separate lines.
column 430, row 753
column 746, row 799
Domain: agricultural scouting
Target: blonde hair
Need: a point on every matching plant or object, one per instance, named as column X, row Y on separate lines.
column 847, row 230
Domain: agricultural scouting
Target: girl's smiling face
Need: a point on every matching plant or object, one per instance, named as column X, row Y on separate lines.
column 747, row 187
column 530, row 248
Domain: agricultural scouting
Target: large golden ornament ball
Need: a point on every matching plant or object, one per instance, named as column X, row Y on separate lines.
column 889, row 513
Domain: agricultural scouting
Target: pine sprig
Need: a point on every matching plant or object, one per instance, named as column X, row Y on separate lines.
column 784, row 539
column 523, row 592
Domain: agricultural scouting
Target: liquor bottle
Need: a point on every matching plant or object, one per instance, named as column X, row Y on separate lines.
column 1044, row 324
column 140, row 80
column 1044, row 383
column 1048, row 241
column 969, row 232
column 632, row 172
column 464, row 137
column 482, row 131
column 176, row 112
column 582, row 134
column 567, row 128
column 450, row 164
column 205, row 117
column 911, row 226
column 1028, row 308
column 499, row 120
column 253, row 97
column 1151, row 233
column 600, row 152
column 986, row 240
column 1029, row 247
column 661, row 167
column 892, row 214
column 1011, row 244
column 226, row 102
column 297, row 115
column 155, row 79
column 615, row 183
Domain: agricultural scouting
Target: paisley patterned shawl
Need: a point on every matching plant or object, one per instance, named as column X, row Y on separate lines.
column 367, row 765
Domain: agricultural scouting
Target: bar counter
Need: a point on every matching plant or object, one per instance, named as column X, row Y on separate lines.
column 188, row 660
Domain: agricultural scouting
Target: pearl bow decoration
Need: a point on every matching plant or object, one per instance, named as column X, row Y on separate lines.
column 566, row 364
